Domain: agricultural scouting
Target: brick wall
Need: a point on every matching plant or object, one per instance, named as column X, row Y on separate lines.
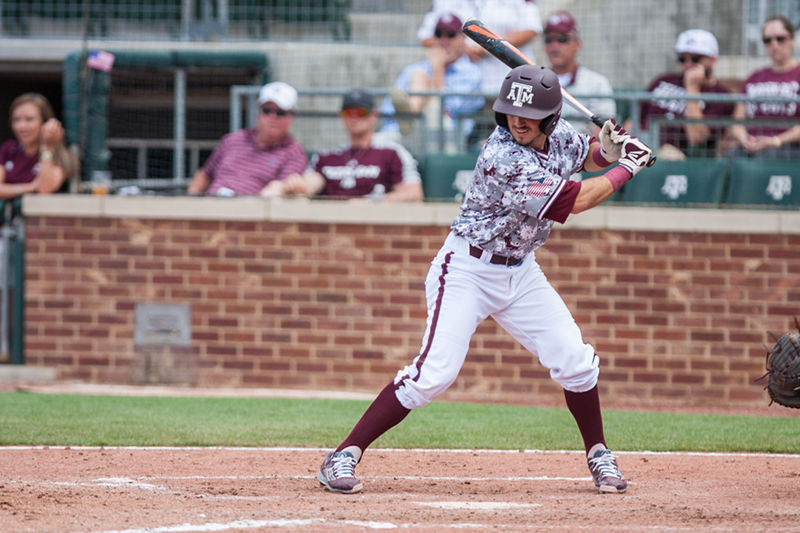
column 675, row 316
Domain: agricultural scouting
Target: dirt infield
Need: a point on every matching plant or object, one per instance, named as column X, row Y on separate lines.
column 162, row 490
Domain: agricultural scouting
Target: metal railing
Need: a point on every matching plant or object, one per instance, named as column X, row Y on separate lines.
column 318, row 127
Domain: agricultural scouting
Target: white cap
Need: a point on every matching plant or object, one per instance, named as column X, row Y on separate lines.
column 281, row 94
column 700, row 42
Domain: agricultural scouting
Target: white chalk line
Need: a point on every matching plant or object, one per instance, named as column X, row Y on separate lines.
column 142, row 483
column 305, row 523
column 282, row 449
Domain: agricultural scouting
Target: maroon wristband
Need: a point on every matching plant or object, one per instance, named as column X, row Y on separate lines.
column 618, row 176
column 599, row 160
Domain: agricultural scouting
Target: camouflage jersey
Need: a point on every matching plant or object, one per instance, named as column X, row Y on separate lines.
column 512, row 188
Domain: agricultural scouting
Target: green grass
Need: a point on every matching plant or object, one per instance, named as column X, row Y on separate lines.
column 45, row 419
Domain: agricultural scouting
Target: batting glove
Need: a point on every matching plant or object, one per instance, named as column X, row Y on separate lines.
column 635, row 155
column 611, row 137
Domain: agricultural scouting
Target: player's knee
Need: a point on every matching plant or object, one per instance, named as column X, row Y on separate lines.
column 410, row 398
column 413, row 394
column 577, row 382
column 579, row 376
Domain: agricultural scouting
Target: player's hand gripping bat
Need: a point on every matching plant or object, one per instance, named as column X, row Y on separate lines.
column 511, row 56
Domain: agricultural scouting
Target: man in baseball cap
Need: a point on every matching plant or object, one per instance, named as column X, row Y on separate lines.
column 246, row 161
column 697, row 52
column 562, row 44
column 365, row 168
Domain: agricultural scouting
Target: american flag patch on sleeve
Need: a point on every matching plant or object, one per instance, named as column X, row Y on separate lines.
column 540, row 187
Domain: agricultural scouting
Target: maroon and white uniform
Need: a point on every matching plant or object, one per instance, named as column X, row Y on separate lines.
column 515, row 195
column 666, row 87
column 20, row 168
column 767, row 82
column 350, row 171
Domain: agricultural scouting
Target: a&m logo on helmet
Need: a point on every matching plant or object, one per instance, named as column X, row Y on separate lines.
column 520, row 93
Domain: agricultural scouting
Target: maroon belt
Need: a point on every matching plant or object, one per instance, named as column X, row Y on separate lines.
column 496, row 259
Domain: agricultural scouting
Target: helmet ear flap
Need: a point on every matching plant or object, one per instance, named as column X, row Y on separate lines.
column 548, row 123
column 501, row 119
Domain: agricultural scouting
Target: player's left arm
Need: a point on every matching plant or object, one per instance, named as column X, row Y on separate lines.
column 634, row 155
column 577, row 197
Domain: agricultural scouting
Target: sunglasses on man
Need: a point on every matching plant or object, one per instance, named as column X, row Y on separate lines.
column 274, row 111
column 693, row 59
column 560, row 39
column 777, row 38
column 444, row 34
column 355, row 112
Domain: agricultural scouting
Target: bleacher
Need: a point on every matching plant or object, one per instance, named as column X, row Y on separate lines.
column 324, row 47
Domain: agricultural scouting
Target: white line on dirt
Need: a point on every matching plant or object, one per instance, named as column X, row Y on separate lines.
column 239, row 525
column 396, row 450
column 251, row 524
column 408, row 478
column 111, row 482
column 478, row 506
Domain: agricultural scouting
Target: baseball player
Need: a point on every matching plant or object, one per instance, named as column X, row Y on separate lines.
column 487, row 266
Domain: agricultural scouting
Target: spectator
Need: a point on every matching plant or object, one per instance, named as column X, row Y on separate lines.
column 37, row 160
column 697, row 55
column 562, row 44
column 447, row 69
column 781, row 79
column 247, row 160
column 517, row 21
column 364, row 168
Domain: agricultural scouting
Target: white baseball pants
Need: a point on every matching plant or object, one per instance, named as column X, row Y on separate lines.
column 461, row 292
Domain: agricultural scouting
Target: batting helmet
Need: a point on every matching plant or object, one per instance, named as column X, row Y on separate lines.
column 530, row 91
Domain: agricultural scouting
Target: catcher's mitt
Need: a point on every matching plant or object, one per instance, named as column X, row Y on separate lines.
column 783, row 371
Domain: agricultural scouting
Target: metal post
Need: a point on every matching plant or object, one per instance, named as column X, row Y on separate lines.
column 179, row 127
column 5, row 250
column 236, row 108
column 222, row 16
column 186, row 20
column 18, row 300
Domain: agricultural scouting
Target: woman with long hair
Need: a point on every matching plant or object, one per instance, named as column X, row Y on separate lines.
column 37, row 159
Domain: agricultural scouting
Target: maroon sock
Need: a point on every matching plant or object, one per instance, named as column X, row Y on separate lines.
column 384, row 413
column 585, row 408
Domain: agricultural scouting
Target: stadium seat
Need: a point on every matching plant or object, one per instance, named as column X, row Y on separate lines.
column 680, row 183
column 765, row 183
column 445, row 176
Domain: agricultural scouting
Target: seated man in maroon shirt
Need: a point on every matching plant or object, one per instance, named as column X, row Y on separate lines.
column 366, row 168
column 697, row 52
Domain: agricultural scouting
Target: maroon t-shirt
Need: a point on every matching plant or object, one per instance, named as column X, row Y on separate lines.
column 671, row 84
column 20, row 168
column 357, row 171
column 767, row 82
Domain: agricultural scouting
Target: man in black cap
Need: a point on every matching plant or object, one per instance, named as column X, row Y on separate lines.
column 365, row 168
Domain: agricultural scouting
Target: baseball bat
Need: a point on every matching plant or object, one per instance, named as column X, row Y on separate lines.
column 513, row 57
